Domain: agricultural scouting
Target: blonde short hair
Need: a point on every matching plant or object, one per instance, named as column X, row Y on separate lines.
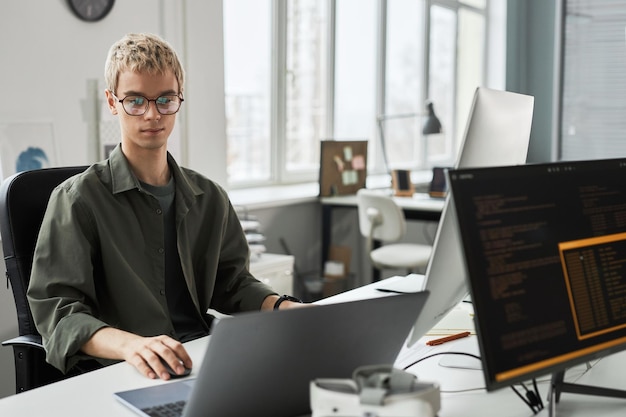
column 144, row 53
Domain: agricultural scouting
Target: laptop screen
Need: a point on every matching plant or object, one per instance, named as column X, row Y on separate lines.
column 545, row 251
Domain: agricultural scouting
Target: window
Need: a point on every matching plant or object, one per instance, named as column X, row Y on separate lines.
column 404, row 77
column 355, row 69
column 593, row 87
column 248, row 86
column 301, row 71
column 276, row 66
column 305, row 87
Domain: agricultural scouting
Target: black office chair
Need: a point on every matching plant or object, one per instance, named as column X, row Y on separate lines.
column 23, row 200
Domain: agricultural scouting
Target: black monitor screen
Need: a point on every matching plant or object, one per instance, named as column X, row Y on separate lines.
column 545, row 251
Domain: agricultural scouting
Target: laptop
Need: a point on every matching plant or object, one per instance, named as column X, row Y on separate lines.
column 260, row 364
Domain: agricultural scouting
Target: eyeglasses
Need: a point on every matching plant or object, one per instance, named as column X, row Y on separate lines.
column 138, row 105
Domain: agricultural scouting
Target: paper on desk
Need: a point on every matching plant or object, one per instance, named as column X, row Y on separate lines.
column 403, row 284
column 409, row 354
column 459, row 319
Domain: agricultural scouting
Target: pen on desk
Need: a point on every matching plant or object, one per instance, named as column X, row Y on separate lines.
column 435, row 342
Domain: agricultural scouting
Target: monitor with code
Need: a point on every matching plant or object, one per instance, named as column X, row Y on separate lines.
column 545, row 251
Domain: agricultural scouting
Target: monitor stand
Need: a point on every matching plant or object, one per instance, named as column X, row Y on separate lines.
column 558, row 386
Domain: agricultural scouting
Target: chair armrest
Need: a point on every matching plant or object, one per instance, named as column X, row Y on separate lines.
column 25, row 340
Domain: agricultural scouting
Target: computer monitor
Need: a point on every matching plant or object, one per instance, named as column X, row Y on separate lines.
column 545, row 251
column 497, row 133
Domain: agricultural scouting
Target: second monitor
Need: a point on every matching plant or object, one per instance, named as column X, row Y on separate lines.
column 497, row 133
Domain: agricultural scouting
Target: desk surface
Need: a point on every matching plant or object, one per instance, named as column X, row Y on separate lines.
column 462, row 389
column 419, row 201
column 90, row 394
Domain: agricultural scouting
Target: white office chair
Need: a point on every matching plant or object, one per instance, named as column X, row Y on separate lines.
column 381, row 220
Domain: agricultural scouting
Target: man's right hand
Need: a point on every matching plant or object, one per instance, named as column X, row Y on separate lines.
column 144, row 353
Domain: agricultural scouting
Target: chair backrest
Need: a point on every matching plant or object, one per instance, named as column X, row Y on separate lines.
column 392, row 225
column 23, row 200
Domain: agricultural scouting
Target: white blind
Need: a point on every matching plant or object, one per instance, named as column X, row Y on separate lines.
column 594, row 80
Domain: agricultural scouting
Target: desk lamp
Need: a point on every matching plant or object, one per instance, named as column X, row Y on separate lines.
column 432, row 125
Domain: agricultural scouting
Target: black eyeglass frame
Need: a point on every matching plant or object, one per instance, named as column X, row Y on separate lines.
column 148, row 100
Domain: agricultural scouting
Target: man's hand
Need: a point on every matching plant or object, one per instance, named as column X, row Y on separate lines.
column 144, row 353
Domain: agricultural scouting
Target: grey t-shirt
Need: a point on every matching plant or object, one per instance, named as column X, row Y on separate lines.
column 187, row 323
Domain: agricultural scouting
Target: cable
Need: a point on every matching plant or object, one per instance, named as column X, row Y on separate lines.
column 521, row 397
column 461, row 391
column 537, row 392
column 440, row 353
column 447, row 353
column 532, row 398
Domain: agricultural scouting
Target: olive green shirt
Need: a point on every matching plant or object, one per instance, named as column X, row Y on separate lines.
column 100, row 259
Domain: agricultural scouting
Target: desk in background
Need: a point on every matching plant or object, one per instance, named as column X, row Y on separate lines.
column 419, row 207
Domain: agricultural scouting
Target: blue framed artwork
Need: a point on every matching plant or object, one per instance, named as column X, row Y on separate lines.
column 26, row 146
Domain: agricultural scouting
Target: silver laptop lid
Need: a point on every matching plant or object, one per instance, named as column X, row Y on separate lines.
column 260, row 364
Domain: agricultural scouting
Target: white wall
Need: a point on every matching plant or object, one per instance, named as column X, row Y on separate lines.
column 46, row 57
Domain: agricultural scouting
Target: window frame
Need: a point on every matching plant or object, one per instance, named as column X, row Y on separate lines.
column 278, row 169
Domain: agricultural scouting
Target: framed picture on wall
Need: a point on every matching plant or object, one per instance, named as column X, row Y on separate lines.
column 343, row 167
column 26, row 146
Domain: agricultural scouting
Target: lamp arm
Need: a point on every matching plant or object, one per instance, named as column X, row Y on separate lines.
column 432, row 125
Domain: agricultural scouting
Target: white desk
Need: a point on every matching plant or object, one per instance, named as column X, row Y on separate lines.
column 419, row 207
column 463, row 393
column 92, row 394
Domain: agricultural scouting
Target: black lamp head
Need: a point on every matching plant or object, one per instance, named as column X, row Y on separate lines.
column 432, row 125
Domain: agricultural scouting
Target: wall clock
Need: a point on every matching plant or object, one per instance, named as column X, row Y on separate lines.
column 91, row 10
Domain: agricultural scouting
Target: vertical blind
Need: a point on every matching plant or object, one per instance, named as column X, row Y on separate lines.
column 593, row 118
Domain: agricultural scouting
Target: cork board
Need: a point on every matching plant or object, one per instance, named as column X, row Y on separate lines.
column 343, row 167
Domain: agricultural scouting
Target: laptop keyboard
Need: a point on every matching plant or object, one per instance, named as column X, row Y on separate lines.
column 174, row 409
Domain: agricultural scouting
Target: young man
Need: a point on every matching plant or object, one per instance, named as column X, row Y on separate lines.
column 133, row 251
